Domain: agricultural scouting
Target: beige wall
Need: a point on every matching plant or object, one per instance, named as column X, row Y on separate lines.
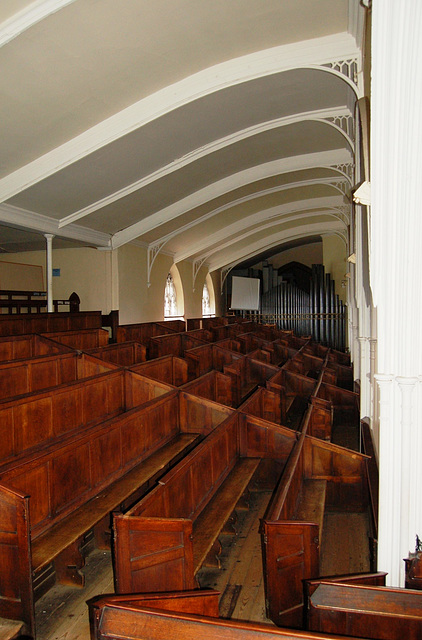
column 308, row 255
column 106, row 280
column 83, row 270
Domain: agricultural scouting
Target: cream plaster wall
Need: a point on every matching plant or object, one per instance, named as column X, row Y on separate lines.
column 137, row 301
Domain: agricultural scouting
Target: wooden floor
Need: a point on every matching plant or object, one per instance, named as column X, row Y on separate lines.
column 62, row 614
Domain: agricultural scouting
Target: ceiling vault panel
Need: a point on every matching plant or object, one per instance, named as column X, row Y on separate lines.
column 115, row 133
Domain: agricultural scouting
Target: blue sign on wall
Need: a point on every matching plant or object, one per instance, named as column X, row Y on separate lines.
column 56, row 272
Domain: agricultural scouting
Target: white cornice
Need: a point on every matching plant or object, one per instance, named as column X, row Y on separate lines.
column 322, row 115
column 28, row 17
column 23, row 219
column 240, row 179
column 309, row 54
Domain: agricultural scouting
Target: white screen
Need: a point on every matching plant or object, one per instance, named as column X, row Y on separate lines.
column 245, row 293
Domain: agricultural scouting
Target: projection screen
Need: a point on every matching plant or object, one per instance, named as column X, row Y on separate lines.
column 245, row 294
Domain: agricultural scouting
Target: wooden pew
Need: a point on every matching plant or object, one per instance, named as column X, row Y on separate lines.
column 18, row 324
column 32, row 420
column 187, row 615
column 82, row 339
column 51, row 499
column 164, row 539
column 296, row 391
column 318, row 475
column 305, row 365
column 247, row 374
column 265, row 404
column 364, row 611
column 22, row 347
column 170, row 369
column 142, row 332
column 99, row 392
column 208, row 357
column 34, row 374
column 213, row 385
column 177, row 343
column 345, row 408
column 124, row 354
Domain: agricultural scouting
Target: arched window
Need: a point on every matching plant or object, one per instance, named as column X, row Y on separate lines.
column 170, row 300
column 206, row 307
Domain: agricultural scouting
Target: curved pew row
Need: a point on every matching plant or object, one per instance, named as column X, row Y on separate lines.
column 318, row 476
column 188, row 616
column 51, row 499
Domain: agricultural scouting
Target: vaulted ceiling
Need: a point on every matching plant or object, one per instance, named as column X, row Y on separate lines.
column 212, row 130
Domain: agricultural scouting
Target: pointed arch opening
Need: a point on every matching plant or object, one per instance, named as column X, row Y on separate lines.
column 173, row 296
column 208, row 298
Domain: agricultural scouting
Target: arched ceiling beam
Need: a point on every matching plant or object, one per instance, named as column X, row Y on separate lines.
column 323, row 54
column 287, row 165
column 326, row 228
column 300, row 218
column 331, row 117
column 28, row 17
column 262, row 217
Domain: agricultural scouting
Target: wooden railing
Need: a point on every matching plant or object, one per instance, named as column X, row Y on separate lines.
column 33, row 301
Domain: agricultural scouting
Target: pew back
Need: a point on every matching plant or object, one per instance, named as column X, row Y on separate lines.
column 365, row 611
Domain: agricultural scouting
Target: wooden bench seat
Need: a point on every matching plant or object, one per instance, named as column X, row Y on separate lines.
column 246, row 375
column 162, row 541
column 209, row 357
column 21, row 377
column 52, row 498
column 210, row 523
column 317, row 475
column 311, row 506
column 176, row 344
column 70, row 530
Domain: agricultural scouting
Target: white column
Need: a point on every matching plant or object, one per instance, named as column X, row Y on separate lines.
column 396, row 229
column 407, row 517
column 388, row 525
column 49, row 268
column 365, row 391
